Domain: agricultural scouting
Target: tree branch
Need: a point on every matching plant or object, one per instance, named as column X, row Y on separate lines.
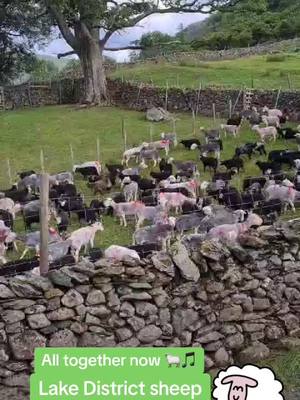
column 123, row 48
column 68, row 53
column 62, row 24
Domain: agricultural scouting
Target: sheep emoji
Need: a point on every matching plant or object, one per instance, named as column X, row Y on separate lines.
column 247, row 383
column 173, row 360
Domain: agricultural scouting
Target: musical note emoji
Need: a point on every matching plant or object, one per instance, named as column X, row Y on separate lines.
column 191, row 358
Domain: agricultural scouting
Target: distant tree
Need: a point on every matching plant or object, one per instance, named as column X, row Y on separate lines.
column 154, row 44
column 43, row 70
column 23, row 24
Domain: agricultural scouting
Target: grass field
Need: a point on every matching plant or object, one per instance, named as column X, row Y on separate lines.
column 24, row 133
column 253, row 71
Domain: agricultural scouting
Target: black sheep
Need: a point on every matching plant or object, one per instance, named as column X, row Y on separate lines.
column 209, row 162
column 236, row 163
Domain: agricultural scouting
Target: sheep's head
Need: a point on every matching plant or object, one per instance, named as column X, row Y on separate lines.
column 194, row 146
column 239, row 386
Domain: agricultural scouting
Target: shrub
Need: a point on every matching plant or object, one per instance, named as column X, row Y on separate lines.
column 275, row 58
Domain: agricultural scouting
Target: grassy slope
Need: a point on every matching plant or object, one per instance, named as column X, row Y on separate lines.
column 228, row 73
column 23, row 133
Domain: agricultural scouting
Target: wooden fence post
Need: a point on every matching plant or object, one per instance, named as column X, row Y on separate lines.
column 230, row 108
column 124, row 134
column 42, row 159
column 194, row 122
column 9, row 172
column 151, row 132
column 277, row 98
column 98, row 150
column 72, row 155
column 214, row 112
column 44, row 230
column 289, row 81
column 166, row 98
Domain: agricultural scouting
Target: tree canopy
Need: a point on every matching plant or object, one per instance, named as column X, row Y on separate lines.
column 250, row 22
column 23, row 24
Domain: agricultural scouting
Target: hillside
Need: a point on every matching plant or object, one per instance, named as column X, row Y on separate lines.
column 248, row 23
column 263, row 72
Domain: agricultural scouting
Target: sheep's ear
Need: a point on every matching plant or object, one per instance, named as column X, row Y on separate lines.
column 250, row 382
column 228, row 379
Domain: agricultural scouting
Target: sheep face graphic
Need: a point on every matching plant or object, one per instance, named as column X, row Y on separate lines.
column 247, row 383
column 239, row 386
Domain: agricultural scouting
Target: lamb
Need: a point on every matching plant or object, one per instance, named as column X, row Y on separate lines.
column 266, row 132
column 285, row 194
column 190, row 186
column 159, row 233
column 188, row 143
column 184, row 166
column 174, row 200
column 209, row 162
column 272, row 112
column 271, row 121
column 232, row 231
column 119, row 253
column 188, row 222
column 84, row 237
column 235, row 162
column 149, row 154
column 171, row 137
column 231, row 129
column 173, row 360
column 266, row 166
column 133, row 153
column 130, row 189
column 151, row 213
column 122, row 210
column 161, row 145
column 9, row 205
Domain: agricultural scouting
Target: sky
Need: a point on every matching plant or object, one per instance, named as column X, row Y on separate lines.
column 167, row 23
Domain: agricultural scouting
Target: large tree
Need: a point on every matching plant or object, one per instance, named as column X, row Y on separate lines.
column 23, row 24
column 87, row 25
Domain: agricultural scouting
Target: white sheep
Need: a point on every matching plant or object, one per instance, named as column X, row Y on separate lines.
column 173, row 360
column 271, row 120
column 247, row 383
column 231, row 129
column 134, row 152
column 274, row 112
column 267, row 132
column 119, row 253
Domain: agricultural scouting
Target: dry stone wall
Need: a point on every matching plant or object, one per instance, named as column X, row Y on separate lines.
column 141, row 97
column 237, row 301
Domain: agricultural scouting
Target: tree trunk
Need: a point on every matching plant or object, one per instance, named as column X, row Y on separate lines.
column 95, row 87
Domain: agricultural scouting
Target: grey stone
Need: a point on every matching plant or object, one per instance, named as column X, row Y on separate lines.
column 222, row 357
column 133, row 342
column 18, row 304
column 184, row 319
column 53, row 304
column 54, row 292
column 22, row 289
column 157, row 114
column 275, row 260
column 19, row 380
column 261, row 304
column 61, row 314
column 113, row 300
column 136, row 323
column 214, row 250
column 215, row 287
column 92, row 320
column 291, row 321
column 145, row 309
column 274, row 332
column 234, row 342
column 123, row 334
column 247, row 327
column 6, row 293
column 149, row 334
column 252, row 354
column 137, row 296
column 64, row 338
column 57, row 277
column 90, row 339
column 72, row 299
column 185, row 289
column 12, row 316
column 163, row 263
column 233, row 313
column 78, row 327
column 95, row 297
column 100, row 311
column 75, row 276
column 35, row 309
column 210, row 337
column 127, row 310
column 23, row 346
column 4, row 357
column 186, row 266
column 38, row 321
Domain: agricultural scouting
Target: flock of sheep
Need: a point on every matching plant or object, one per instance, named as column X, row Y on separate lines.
column 173, row 199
